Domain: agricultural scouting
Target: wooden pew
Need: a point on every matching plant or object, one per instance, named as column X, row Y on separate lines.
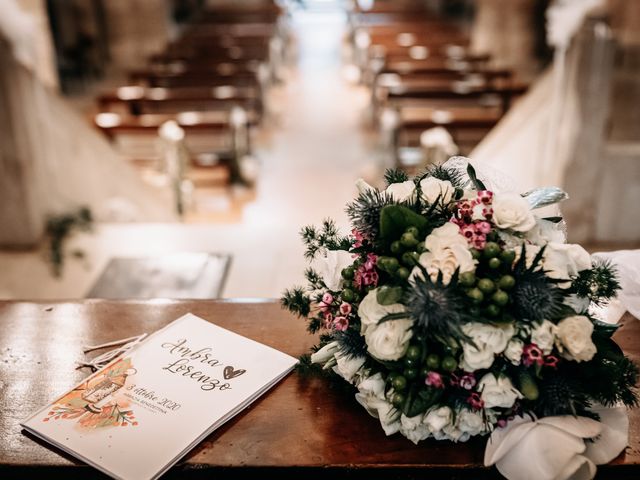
column 139, row 100
column 467, row 126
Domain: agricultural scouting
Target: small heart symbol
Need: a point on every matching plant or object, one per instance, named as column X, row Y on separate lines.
column 230, row 373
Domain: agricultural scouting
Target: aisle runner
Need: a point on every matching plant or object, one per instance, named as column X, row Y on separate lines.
column 181, row 275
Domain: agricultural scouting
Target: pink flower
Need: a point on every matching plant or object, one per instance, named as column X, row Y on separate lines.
column 479, row 242
column 345, row 308
column 467, row 231
column 340, row 323
column 467, row 381
column 359, row 238
column 366, row 274
column 434, row 379
column 551, row 361
column 483, row 227
column 475, row 401
column 485, row 196
column 327, row 298
column 328, row 319
column 487, row 213
column 532, row 354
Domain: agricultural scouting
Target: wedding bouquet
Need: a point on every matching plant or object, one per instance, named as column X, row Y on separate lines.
column 455, row 311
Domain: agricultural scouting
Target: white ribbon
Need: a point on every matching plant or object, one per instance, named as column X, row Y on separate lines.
column 123, row 345
column 559, row 447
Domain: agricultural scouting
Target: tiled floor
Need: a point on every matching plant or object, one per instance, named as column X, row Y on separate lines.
column 310, row 157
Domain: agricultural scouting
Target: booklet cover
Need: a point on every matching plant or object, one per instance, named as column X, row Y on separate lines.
column 141, row 413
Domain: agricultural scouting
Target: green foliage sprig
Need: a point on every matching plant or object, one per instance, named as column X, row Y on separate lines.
column 58, row 230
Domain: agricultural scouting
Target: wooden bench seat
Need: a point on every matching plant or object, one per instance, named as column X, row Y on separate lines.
column 139, row 100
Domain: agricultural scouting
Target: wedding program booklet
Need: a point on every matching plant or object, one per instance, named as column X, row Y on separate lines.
column 141, row 413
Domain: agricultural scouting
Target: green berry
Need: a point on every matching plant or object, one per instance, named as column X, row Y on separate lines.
column 413, row 231
column 500, row 298
column 413, row 352
column 433, row 361
column 494, row 263
column 410, row 362
column 399, row 383
column 388, row 264
column 420, row 248
column 408, row 240
column 467, row 279
column 410, row 259
column 424, row 371
column 396, row 247
column 476, row 295
column 348, row 295
column 449, row 363
column 491, row 250
column 508, row 256
column 398, row 399
column 486, row 285
column 392, row 376
column 507, row 282
column 403, row 273
column 348, row 273
column 410, row 372
column 492, row 310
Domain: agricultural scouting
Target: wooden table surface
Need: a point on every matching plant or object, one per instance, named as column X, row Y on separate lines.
column 303, row 426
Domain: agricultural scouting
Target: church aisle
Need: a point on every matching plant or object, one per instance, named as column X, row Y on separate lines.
column 310, row 155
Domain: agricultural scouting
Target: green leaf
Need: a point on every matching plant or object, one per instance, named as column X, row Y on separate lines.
column 387, row 295
column 553, row 219
column 605, row 329
column 395, row 219
column 474, row 178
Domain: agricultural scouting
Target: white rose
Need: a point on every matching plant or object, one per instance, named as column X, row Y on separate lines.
column 402, row 192
column 544, row 336
column 371, row 312
column 447, row 251
column 348, row 366
column 452, row 433
column 564, row 260
column 330, row 265
column 470, row 423
column 414, row 428
column 371, row 396
column 438, row 418
column 489, row 341
column 434, row 189
column 513, row 352
column 574, row 338
column 389, row 340
column 497, row 391
column 326, row 353
column 512, row 211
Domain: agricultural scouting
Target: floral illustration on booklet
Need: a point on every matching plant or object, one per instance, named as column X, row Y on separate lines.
column 455, row 310
column 97, row 403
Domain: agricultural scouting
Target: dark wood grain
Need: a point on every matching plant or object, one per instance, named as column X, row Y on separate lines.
column 303, row 427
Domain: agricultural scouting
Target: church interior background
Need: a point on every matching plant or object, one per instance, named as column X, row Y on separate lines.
column 166, row 148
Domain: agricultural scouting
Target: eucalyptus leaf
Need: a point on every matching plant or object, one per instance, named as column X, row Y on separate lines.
column 545, row 196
